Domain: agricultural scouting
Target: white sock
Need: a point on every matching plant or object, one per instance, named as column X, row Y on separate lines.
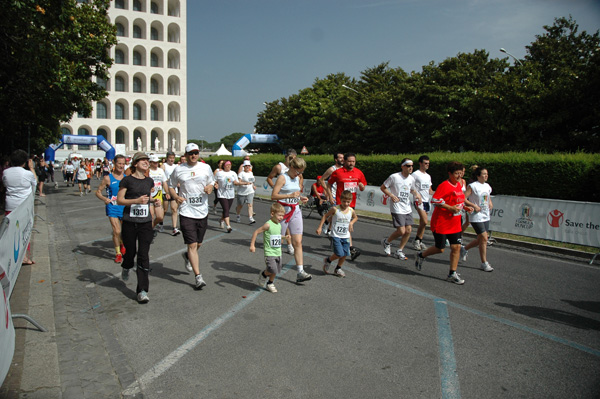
column 300, row 268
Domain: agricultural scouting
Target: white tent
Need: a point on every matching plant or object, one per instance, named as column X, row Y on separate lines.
column 222, row 151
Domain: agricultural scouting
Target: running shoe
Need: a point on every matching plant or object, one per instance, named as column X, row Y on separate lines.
column 326, row 264
column 222, row 224
column 261, row 280
column 455, row 278
column 229, row 229
column 303, row 276
column 417, row 245
column 463, row 253
column 290, row 249
column 200, row 282
column 354, row 252
column 423, row 246
column 175, row 232
column 80, row 194
column 387, row 248
column 161, row 227
column 252, row 221
column 142, row 297
column 118, row 258
column 419, row 261
column 238, row 219
column 271, row 288
column 339, row 272
column 400, row 255
column 125, row 274
column 485, row 266
column 123, row 250
column 188, row 265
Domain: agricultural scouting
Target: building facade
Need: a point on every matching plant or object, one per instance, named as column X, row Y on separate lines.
column 146, row 106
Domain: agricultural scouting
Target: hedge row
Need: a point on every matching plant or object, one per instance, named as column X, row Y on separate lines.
column 557, row 176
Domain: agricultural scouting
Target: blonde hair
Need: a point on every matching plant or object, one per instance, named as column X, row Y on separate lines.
column 276, row 207
column 298, row 163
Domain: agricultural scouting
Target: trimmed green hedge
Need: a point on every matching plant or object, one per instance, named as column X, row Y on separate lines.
column 573, row 177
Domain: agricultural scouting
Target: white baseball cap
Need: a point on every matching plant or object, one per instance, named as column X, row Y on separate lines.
column 247, row 163
column 191, row 147
column 153, row 158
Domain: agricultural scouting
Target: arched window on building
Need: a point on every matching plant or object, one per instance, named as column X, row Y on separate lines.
column 137, row 58
column 154, row 88
column 119, row 137
column 119, row 111
column 120, row 29
column 137, row 5
column 119, row 57
column 137, row 112
column 101, row 111
column 137, row 85
column 120, row 4
column 153, row 8
column 154, row 34
column 119, row 83
column 154, row 60
column 137, row 32
column 154, row 115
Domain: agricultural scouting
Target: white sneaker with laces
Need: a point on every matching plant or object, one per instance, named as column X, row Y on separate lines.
column 485, row 266
column 271, row 288
column 252, row 221
column 238, row 219
column 142, row 297
column 188, row 265
column 400, row 255
column 326, row 265
column 303, row 276
column 423, row 246
column 339, row 272
column 222, row 224
column 417, row 245
column 200, row 282
column 290, row 249
column 387, row 248
column 455, row 278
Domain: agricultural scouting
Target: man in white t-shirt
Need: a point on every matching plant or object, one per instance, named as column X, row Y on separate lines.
column 196, row 183
column 423, row 186
column 398, row 188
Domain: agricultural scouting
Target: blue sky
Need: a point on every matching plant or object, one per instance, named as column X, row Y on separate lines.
column 242, row 53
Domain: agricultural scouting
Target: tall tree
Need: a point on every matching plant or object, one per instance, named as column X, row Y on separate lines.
column 51, row 52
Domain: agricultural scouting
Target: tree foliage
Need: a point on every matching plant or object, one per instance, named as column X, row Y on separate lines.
column 51, row 52
column 548, row 102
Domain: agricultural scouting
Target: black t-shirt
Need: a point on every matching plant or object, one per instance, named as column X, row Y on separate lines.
column 137, row 213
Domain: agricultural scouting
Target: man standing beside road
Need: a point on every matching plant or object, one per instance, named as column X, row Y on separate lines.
column 347, row 178
column 398, row 188
column 196, row 183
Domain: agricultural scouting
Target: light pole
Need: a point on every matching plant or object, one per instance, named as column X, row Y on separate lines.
column 514, row 58
column 202, row 143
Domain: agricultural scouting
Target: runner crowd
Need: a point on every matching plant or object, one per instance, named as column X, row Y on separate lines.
column 138, row 192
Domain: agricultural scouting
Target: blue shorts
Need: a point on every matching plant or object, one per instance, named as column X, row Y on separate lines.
column 115, row 211
column 341, row 246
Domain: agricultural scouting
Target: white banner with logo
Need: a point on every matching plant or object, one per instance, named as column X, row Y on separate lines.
column 15, row 232
column 557, row 220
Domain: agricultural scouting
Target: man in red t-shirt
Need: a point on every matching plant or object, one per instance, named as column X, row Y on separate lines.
column 449, row 200
column 347, row 178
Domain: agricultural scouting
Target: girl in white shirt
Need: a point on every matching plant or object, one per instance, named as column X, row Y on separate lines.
column 479, row 193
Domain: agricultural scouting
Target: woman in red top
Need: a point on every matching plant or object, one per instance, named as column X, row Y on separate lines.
column 449, row 201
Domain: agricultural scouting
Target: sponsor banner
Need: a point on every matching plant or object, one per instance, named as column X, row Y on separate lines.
column 15, row 232
column 557, row 220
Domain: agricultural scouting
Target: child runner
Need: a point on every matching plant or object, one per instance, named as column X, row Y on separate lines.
column 271, row 232
column 342, row 224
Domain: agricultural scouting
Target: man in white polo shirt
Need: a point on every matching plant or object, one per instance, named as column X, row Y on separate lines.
column 196, row 183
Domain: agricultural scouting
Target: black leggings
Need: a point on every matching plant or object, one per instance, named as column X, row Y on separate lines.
column 140, row 234
column 226, row 205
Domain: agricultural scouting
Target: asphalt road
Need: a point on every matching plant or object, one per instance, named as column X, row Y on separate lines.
column 529, row 329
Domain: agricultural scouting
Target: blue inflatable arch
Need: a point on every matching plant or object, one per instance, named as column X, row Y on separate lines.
column 100, row 141
column 246, row 139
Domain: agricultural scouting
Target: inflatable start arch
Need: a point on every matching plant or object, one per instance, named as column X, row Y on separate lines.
column 246, row 139
column 100, row 141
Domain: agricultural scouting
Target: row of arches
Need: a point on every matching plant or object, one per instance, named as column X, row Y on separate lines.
column 156, row 6
column 139, row 110
column 141, row 30
column 140, row 84
column 139, row 56
column 155, row 139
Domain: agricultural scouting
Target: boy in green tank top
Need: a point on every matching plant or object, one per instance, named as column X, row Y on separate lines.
column 271, row 232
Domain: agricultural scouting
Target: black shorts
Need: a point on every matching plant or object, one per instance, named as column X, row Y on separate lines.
column 453, row 239
column 193, row 230
column 481, row 227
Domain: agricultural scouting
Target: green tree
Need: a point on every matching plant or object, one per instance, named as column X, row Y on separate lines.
column 51, row 52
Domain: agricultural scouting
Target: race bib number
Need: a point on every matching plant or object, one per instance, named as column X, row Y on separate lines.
column 139, row 211
column 156, row 189
column 351, row 186
column 113, row 200
column 195, row 200
column 275, row 241
column 341, row 227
